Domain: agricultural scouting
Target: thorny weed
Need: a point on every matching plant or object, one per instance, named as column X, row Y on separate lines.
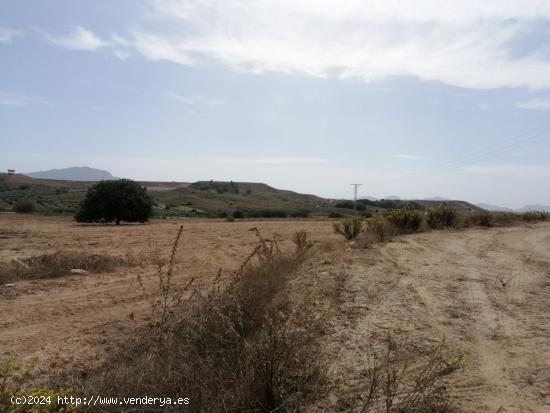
column 394, row 386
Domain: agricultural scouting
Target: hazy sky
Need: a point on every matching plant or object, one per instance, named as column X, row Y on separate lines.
column 414, row 99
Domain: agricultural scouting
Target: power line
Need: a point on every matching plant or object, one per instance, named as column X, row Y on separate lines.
column 508, row 148
column 531, row 136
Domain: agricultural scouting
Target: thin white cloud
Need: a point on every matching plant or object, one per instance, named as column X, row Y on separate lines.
column 16, row 100
column 79, row 39
column 409, row 157
column 535, row 104
column 271, row 160
column 194, row 100
column 530, row 171
column 158, row 48
column 121, row 54
column 466, row 43
column 119, row 40
column 7, row 35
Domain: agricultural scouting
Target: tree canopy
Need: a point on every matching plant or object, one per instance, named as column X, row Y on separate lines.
column 116, row 201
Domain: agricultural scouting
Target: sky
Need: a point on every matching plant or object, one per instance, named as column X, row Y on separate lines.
column 410, row 99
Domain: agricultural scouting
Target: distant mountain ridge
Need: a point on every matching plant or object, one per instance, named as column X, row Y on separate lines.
column 526, row 208
column 74, row 173
column 496, row 208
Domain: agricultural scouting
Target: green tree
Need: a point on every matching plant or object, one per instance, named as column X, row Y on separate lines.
column 115, row 201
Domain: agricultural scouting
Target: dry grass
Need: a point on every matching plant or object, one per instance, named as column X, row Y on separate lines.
column 245, row 344
column 395, row 383
column 59, row 264
column 241, row 346
column 300, row 240
column 14, row 380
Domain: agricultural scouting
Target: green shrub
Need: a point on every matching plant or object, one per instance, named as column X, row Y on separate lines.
column 533, row 216
column 254, row 214
column 238, row 214
column 350, row 227
column 335, row 215
column 504, row 218
column 378, row 227
column 406, row 220
column 442, row 217
column 273, row 213
column 299, row 214
column 351, row 205
column 482, row 218
column 24, row 207
column 221, row 214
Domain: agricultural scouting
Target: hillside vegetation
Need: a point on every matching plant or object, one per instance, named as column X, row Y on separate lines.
column 199, row 199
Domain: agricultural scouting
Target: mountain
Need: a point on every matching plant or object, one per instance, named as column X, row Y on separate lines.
column 75, row 173
column 460, row 205
column 496, row 208
column 526, row 208
column 436, row 198
column 368, row 197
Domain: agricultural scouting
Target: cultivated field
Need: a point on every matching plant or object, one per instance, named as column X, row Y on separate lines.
column 72, row 321
column 484, row 292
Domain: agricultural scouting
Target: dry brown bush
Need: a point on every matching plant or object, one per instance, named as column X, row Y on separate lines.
column 59, row 264
column 299, row 238
column 397, row 383
column 239, row 346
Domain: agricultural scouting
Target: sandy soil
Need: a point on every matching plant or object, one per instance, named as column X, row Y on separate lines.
column 486, row 293
column 71, row 322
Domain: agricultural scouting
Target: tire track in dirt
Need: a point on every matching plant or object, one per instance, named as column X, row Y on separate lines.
column 447, row 285
column 492, row 334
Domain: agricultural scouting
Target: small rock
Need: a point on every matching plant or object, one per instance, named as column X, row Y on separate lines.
column 78, row 271
column 9, row 285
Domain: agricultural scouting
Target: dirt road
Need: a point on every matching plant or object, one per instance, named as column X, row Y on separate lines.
column 486, row 293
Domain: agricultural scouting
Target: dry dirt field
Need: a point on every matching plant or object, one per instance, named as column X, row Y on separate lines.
column 485, row 292
column 71, row 321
